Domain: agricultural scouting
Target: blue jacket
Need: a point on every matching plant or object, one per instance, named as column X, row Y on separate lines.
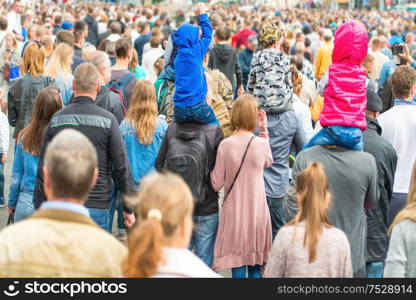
column 142, row 157
column 190, row 83
column 23, row 174
column 244, row 58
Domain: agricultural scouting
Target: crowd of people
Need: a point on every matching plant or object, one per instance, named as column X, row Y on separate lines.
column 274, row 143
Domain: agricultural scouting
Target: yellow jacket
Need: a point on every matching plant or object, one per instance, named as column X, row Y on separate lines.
column 59, row 243
column 324, row 59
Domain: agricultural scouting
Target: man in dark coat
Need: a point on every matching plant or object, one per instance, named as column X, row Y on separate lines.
column 92, row 37
column 386, row 158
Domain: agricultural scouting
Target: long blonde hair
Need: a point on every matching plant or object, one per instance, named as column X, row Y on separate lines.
column 409, row 211
column 164, row 203
column 59, row 62
column 142, row 112
column 312, row 190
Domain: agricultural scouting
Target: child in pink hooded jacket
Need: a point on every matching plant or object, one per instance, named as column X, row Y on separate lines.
column 343, row 115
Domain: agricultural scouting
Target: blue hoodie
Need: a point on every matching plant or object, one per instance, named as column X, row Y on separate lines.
column 190, row 83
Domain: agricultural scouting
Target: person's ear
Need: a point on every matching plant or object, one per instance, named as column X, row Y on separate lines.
column 46, row 182
column 73, row 85
column 95, row 178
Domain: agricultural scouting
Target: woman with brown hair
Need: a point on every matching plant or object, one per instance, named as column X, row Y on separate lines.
column 401, row 257
column 25, row 164
column 22, row 94
column 143, row 131
column 244, row 235
column 158, row 245
column 309, row 246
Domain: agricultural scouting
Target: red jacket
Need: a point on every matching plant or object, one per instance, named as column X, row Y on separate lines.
column 345, row 95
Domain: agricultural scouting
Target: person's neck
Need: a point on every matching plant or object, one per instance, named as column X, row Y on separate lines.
column 79, row 45
column 121, row 64
column 76, row 95
column 69, row 200
column 222, row 42
column 242, row 131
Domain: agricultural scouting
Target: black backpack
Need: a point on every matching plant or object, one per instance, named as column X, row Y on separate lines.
column 187, row 156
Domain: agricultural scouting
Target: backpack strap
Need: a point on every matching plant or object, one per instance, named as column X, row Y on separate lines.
column 126, row 79
column 239, row 169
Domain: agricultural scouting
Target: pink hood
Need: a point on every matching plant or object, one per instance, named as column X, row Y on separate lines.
column 345, row 95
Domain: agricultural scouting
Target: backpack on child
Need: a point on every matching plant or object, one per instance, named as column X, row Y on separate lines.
column 187, row 156
column 119, row 88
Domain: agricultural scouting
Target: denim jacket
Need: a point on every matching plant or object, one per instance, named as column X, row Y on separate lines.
column 23, row 174
column 142, row 157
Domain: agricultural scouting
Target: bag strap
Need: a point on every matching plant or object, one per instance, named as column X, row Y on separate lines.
column 239, row 169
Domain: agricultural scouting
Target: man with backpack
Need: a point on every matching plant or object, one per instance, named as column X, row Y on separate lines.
column 106, row 98
column 189, row 150
column 123, row 80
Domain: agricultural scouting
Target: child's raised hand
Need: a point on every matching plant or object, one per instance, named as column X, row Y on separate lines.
column 201, row 8
column 262, row 117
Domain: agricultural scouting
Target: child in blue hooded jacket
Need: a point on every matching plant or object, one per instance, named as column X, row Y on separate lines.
column 191, row 98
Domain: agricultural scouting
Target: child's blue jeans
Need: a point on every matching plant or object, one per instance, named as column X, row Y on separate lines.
column 337, row 135
column 200, row 113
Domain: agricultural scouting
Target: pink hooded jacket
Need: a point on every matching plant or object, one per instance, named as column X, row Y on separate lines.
column 345, row 95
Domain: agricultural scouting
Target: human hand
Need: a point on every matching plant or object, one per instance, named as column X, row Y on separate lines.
column 129, row 219
column 406, row 54
column 4, row 158
column 240, row 90
column 201, row 8
column 262, row 118
column 10, row 210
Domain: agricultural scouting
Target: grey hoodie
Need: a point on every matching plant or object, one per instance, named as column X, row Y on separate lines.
column 270, row 81
column 224, row 58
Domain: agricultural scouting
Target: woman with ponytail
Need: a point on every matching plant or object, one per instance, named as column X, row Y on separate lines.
column 158, row 245
column 401, row 257
column 309, row 246
column 301, row 109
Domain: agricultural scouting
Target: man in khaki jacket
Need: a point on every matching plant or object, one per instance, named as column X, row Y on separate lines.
column 60, row 239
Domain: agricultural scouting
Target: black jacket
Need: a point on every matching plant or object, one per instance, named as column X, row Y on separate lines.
column 214, row 136
column 224, row 58
column 110, row 102
column 21, row 99
column 102, row 129
column 377, row 219
column 92, row 30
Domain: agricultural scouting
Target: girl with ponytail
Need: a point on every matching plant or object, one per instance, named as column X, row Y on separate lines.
column 401, row 257
column 309, row 246
column 158, row 244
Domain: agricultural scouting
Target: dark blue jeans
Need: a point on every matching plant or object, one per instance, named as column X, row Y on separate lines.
column 203, row 237
column 241, row 272
column 1, row 182
column 276, row 214
column 101, row 217
column 337, row 135
column 200, row 113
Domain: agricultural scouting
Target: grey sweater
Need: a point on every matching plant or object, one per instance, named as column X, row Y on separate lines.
column 352, row 178
column 289, row 257
column 401, row 257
